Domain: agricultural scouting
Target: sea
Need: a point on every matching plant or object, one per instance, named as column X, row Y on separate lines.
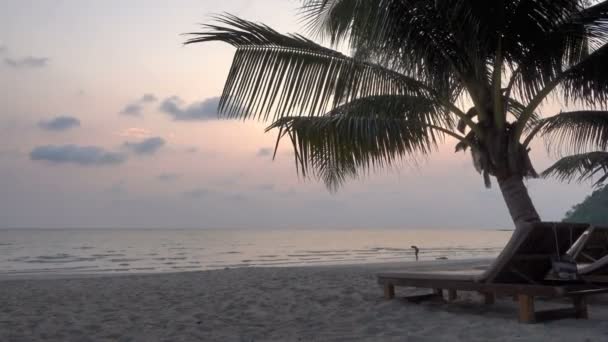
column 35, row 252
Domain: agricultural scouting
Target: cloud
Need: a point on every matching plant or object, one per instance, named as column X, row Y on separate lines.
column 167, row 177
column 197, row 193
column 3, row 49
column 147, row 98
column 264, row 152
column 132, row 109
column 135, row 132
column 136, row 108
column 60, row 123
column 201, row 111
column 74, row 154
column 146, row 146
column 27, row 62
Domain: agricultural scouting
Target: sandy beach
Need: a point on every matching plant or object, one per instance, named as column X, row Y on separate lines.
column 333, row 303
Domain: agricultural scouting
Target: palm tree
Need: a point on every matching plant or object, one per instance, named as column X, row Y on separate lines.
column 414, row 67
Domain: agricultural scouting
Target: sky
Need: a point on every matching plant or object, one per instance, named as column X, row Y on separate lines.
column 107, row 120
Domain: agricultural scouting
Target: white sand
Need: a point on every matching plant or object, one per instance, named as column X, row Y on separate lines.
column 264, row 304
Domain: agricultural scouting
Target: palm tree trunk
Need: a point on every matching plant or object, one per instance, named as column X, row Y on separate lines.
column 518, row 201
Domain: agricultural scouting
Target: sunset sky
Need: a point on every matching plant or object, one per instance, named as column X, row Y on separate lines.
column 107, row 120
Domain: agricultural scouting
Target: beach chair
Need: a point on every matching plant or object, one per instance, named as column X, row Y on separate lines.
column 520, row 271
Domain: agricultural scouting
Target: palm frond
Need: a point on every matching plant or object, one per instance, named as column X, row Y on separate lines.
column 584, row 82
column 397, row 107
column 517, row 108
column 587, row 81
column 275, row 75
column 389, row 28
column 360, row 137
column 576, row 132
column 339, row 19
column 580, row 167
column 574, row 33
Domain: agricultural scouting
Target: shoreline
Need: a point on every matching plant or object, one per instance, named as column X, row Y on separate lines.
column 321, row 303
column 414, row 265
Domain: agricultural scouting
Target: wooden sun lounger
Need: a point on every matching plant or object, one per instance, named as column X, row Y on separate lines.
column 519, row 271
column 524, row 293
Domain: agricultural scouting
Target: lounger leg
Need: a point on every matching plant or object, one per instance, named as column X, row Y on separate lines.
column 389, row 291
column 526, row 309
column 580, row 307
column 438, row 292
column 452, row 295
column 489, row 298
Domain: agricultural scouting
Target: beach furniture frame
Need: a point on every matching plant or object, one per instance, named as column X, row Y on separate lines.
column 520, row 271
column 596, row 272
column 591, row 253
column 591, row 246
